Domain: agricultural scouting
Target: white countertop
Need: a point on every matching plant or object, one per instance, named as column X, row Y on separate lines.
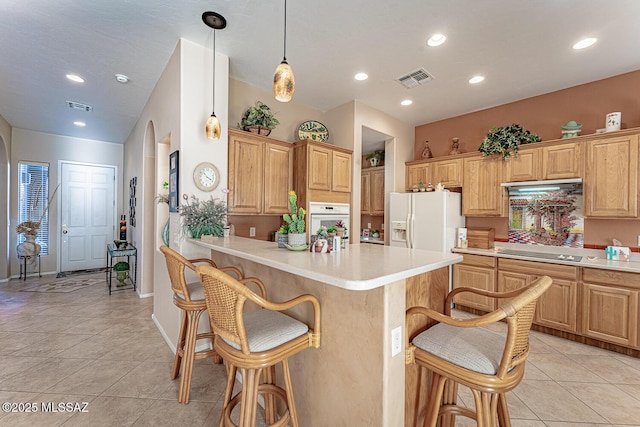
column 356, row 268
column 591, row 258
column 375, row 240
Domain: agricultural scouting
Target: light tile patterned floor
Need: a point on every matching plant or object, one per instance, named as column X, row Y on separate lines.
column 87, row 346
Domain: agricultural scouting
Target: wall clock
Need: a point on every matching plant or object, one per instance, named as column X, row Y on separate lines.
column 206, row 176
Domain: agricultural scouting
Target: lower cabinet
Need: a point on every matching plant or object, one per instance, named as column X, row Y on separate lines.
column 610, row 306
column 475, row 272
column 556, row 308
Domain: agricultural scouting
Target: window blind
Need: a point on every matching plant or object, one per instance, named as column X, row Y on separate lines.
column 33, row 197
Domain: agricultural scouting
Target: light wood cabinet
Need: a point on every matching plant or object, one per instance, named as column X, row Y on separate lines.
column 322, row 172
column 561, row 161
column 447, row 172
column 611, row 177
column 610, row 306
column 372, row 191
column 259, row 174
column 523, row 167
column 475, row 272
column 482, row 194
column 556, row 308
column 550, row 162
column 416, row 173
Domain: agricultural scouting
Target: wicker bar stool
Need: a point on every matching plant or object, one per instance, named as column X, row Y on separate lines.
column 460, row 351
column 255, row 342
column 189, row 297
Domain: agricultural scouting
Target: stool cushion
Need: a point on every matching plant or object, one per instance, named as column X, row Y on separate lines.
column 477, row 349
column 196, row 291
column 267, row 329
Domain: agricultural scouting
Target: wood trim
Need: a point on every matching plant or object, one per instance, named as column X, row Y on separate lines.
column 538, row 268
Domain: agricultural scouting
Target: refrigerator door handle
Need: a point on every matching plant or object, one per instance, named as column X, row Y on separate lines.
column 408, row 231
column 413, row 231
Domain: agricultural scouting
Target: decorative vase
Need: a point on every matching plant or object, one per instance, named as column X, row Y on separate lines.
column 29, row 248
column 122, row 276
column 165, row 233
column 297, row 239
column 281, row 239
column 374, row 161
column 340, row 231
column 201, row 230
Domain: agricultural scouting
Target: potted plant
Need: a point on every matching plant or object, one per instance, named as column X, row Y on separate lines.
column 332, row 231
column 282, row 235
column 415, row 188
column 122, row 272
column 375, row 158
column 295, row 222
column 341, row 228
column 422, row 187
column 259, row 119
column 28, row 248
column 204, row 217
column 506, row 140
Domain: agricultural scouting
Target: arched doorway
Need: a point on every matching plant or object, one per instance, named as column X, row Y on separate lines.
column 5, row 232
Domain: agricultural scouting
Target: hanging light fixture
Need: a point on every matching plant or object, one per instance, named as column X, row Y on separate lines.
column 217, row 22
column 283, row 81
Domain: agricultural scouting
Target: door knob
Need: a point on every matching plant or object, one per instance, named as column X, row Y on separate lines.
column 65, row 231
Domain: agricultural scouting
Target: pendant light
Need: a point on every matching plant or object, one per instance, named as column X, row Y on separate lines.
column 217, row 22
column 283, row 81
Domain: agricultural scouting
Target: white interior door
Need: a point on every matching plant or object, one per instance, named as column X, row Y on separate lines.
column 87, row 199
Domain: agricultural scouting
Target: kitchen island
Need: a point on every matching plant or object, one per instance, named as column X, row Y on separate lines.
column 354, row 378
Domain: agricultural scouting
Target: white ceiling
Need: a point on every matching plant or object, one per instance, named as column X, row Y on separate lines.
column 523, row 48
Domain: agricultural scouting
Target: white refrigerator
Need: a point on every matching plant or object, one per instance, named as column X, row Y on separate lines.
column 426, row 220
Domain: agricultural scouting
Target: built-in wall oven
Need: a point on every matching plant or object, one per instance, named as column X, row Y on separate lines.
column 328, row 214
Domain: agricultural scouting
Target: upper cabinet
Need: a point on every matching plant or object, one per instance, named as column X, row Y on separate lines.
column 322, row 172
column 447, row 173
column 540, row 163
column 611, row 177
column 372, row 191
column 416, row 173
column 259, row 174
column 482, row 194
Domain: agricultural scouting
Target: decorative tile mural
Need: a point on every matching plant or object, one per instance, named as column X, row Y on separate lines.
column 546, row 215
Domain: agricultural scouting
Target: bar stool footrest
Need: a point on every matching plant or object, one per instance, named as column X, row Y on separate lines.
column 272, row 389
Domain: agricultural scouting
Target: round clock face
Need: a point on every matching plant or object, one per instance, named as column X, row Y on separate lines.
column 206, row 176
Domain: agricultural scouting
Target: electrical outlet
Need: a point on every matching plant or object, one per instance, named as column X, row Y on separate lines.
column 368, row 225
column 252, row 232
column 396, row 341
column 639, row 240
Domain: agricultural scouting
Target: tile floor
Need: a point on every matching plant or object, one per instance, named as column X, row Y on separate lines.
column 87, row 346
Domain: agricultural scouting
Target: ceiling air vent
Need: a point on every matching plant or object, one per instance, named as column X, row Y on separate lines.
column 78, row 106
column 415, row 78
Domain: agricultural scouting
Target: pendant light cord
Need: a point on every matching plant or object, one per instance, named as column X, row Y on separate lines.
column 284, row 57
column 213, row 100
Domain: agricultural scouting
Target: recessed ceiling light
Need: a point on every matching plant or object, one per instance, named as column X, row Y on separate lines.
column 589, row 41
column 75, row 78
column 361, row 76
column 121, row 78
column 80, row 124
column 406, row 102
column 436, row 39
column 476, row 79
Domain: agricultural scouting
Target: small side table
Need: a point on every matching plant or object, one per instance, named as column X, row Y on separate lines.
column 113, row 252
column 23, row 265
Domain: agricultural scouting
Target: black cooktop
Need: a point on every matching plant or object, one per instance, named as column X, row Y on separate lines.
column 543, row 255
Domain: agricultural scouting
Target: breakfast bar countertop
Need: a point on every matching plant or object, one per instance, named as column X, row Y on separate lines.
column 357, row 267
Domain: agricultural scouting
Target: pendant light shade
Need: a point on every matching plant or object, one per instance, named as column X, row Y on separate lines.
column 217, row 22
column 283, row 81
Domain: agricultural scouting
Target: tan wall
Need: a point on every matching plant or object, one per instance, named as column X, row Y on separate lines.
column 587, row 104
column 5, row 155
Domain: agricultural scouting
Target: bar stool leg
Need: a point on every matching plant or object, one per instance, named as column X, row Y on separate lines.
column 189, row 355
column 293, row 412
column 250, row 383
column 270, row 413
column 228, row 391
column 177, row 361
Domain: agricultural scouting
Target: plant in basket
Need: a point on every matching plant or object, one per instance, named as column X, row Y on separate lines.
column 295, row 222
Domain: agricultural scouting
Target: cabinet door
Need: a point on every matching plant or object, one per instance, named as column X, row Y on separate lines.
column 510, row 281
column 417, row 173
column 448, row 173
column 523, row 167
column 482, row 194
column 611, row 178
column 341, row 172
column 277, row 178
column 377, row 192
column 562, row 161
column 319, row 164
column 557, row 307
column 474, row 277
column 610, row 314
column 245, row 174
column 365, row 193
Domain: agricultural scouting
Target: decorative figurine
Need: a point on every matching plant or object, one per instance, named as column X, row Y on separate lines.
column 571, row 129
column 455, row 147
column 426, row 152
